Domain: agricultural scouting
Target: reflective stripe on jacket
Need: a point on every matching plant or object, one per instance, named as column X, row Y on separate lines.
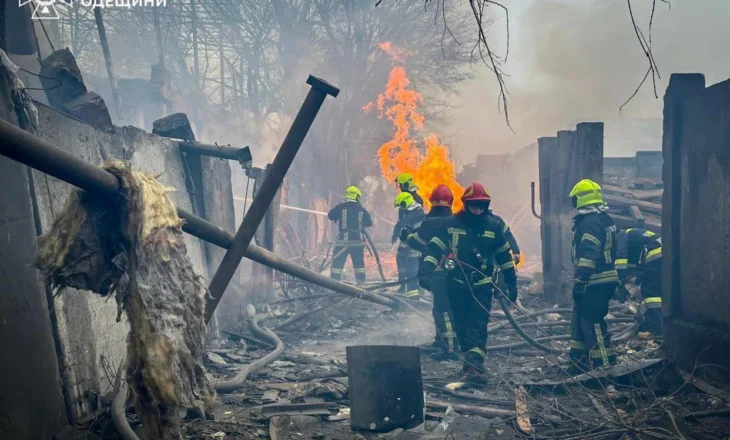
column 594, row 248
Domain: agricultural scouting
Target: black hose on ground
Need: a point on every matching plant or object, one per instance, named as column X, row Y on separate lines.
column 560, row 323
column 375, row 253
column 498, row 324
column 119, row 407
column 237, row 381
column 503, row 303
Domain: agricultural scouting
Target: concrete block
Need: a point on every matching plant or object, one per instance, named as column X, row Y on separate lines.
column 90, row 108
column 176, row 126
column 61, row 77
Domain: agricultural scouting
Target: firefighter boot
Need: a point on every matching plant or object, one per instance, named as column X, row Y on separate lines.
column 578, row 362
column 473, row 370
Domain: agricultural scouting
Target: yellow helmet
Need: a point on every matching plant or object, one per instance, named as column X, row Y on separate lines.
column 352, row 193
column 584, row 193
column 404, row 181
column 404, row 200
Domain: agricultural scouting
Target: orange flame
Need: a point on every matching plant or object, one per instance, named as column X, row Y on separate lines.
column 399, row 104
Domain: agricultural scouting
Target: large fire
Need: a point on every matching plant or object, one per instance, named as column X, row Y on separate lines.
column 399, row 104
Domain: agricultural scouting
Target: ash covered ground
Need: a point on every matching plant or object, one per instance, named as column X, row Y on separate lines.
column 529, row 395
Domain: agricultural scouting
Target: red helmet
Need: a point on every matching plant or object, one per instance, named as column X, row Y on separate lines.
column 476, row 192
column 441, row 196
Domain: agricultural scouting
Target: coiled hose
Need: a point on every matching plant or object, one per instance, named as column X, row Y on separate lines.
column 237, row 381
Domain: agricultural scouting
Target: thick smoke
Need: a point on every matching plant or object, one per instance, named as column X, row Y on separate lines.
column 573, row 61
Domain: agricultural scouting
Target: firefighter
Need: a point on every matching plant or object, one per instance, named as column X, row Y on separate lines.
column 410, row 216
column 405, row 184
column 594, row 252
column 441, row 200
column 639, row 255
column 470, row 243
column 351, row 218
column 514, row 249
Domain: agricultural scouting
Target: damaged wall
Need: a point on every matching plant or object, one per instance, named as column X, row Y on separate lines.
column 696, row 220
column 92, row 342
column 564, row 160
column 31, row 401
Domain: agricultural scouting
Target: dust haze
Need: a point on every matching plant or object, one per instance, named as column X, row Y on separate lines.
column 573, row 61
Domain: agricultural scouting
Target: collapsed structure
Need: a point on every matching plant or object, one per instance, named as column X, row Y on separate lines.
column 76, row 340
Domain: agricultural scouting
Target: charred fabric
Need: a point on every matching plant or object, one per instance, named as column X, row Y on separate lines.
column 603, row 378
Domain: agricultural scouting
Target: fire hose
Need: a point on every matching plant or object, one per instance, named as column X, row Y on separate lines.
column 119, row 407
column 237, row 381
column 527, row 338
column 375, row 253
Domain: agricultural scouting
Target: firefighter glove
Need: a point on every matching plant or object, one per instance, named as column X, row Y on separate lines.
column 394, row 238
column 512, row 292
column 404, row 233
column 516, row 258
column 579, row 290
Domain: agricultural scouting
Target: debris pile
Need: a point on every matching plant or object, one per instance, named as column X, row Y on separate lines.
column 133, row 248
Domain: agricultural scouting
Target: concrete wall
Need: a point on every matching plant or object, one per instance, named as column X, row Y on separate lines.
column 91, row 341
column 31, row 400
column 696, row 220
column 564, row 160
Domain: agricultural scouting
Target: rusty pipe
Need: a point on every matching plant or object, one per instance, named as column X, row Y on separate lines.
column 268, row 188
column 240, row 155
column 532, row 201
column 23, row 147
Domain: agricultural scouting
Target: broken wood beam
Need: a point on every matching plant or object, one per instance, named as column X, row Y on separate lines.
column 23, row 147
column 269, row 188
column 636, row 215
column 472, row 410
column 617, row 201
column 639, row 194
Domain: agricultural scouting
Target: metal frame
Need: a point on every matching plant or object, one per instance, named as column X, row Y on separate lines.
column 21, row 146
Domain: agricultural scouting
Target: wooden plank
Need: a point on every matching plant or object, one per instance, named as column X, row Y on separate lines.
column 634, row 193
column 523, row 412
column 650, row 206
column 636, row 215
column 651, row 223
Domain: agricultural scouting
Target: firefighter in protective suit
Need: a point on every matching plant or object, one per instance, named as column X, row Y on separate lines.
column 405, row 184
column 351, row 218
column 410, row 216
column 596, row 279
column 639, row 255
column 468, row 245
column 441, row 200
column 514, row 249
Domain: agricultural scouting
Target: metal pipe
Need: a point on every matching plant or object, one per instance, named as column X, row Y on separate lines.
column 108, row 60
column 272, row 181
column 532, row 200
column 23, row 147
column 241, row 155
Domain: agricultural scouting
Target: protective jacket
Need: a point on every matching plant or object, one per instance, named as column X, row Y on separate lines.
column 594, row 247
column 419, row 238
column 475, row 244
column 351, row 218
column 636, row 248
column 410, row 217
column 508, row 233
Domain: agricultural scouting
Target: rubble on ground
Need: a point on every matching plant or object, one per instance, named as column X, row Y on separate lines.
column 304, row 393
